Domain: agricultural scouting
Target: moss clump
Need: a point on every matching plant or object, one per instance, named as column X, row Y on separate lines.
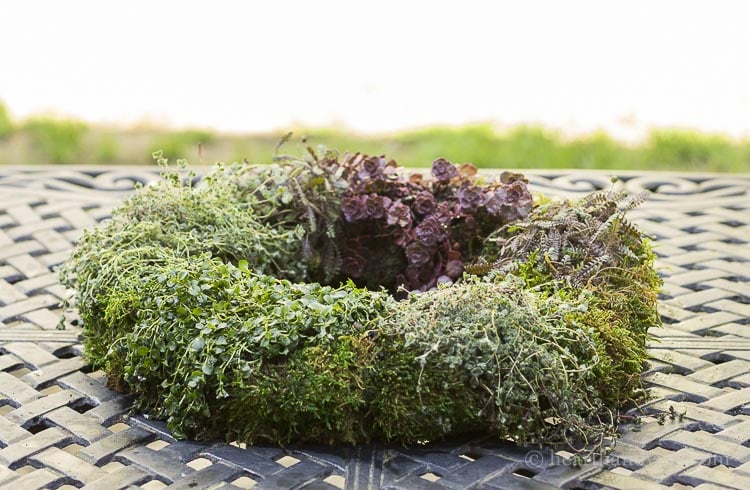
column 208, row 303
column 317, row 392
column 588, row 247
column 201, row 342
column 487, row 355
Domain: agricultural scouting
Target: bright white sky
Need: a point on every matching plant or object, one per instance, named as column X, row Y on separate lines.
column 381, row 65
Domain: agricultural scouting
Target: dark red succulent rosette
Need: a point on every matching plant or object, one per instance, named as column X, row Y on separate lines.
column 430, row 226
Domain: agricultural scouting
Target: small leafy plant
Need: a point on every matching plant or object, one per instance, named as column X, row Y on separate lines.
column 413, row 232
column 337, row 299
column 571, row 240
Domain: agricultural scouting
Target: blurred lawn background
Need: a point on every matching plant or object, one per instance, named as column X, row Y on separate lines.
column 51, row 140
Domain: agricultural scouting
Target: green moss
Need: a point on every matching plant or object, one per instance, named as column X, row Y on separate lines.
column 587, row 248
column 192, row 298
column 316, row 393
column 491, row 356
column 199, row 340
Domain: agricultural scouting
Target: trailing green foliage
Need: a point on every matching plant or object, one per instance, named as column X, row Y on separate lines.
column 493, row 356
column 589, row 247
column 225, row 305
column 218, row 349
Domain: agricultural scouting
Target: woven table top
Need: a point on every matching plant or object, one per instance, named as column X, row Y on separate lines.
column 60, row 427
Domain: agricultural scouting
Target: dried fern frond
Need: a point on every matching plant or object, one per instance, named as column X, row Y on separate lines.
column 634, row 200
column 574, row 239
column 589, row 269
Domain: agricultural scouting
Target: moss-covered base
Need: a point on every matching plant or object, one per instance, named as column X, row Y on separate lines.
column 184, row 302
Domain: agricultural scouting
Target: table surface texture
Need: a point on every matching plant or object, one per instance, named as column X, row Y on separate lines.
column 60, row 427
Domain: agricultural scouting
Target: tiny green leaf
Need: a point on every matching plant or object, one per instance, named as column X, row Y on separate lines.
column 197, row 344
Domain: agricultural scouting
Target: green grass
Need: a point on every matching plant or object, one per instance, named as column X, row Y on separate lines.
column 48, row 140
column 179, row 144
column 6, row 124
column 55, row 140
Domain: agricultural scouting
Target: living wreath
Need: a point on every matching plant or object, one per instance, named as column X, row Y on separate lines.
column 340, row 299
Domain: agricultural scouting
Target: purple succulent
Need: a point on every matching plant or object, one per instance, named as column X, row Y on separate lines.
column 444, row 280
column 399, row 214
column 400, row 236
column 354, row 265
column 411, row 277
column 417, row 254
column 519, row 195
column 443, row 170
column 470, row 222
column 445, row 212
column 424, row 203
column 419, row 232
column 421, row 277
column 371, row 168
column 495, row 201
column 454, row 269
column 430, row 231
column 375, row 206
column 510, row 177
column 511, row 201
column 470, row 198
column 353, row 208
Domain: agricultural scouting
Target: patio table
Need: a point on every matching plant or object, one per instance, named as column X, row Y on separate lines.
column 60, row 427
